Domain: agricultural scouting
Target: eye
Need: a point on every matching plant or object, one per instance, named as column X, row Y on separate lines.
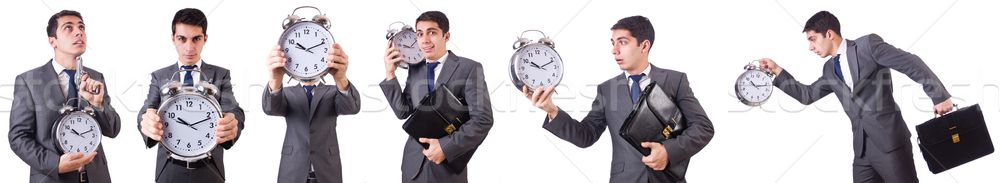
column 82, row 27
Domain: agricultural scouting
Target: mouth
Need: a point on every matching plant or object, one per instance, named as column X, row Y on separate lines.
column 427, row 49
column 80, row 42
column 619, row 61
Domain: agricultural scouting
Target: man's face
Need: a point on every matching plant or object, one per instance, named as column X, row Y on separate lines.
column 189, row 39
column 71, row 37
column 432, row 39
column 628, row 50
column 821, row 43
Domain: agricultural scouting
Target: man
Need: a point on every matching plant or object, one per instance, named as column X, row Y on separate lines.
column 445, row 159
column 857, row 71
column 632, row 38
column 311, row 152
column 39, row 94
column 190, row 27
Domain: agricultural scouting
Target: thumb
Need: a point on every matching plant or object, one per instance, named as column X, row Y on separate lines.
column 424, row 140
column 647, row 144
column 73, row 156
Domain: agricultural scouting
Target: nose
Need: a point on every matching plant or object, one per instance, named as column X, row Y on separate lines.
column 615, row 50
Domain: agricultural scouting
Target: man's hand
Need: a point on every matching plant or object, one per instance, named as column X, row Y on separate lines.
column 433, row 152
column 91, row 90
column 943, row 107
column 276, row 64
column 74, row 161
column 391, row 58
column 227, row 128
column 151, row 124
column 657, row 159
column 542, row 99
column 768, row 65
column 337, row 63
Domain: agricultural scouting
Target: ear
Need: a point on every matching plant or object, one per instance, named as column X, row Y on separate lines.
column 645, row 46
column 52, row 42
column 829, row 34
column 447, row 36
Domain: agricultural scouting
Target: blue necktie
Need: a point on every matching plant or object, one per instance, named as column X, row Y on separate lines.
column 71, row 91
column 836, row 67
column 430, row 75
column 188, row 79
column 636, row 91
column 309, row 93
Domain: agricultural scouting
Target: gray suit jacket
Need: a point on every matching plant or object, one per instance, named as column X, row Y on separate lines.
column 609, row 111
column 870, row 106
column 216, row 75
column 37, row 100
column 311, row 133
column 464, row 77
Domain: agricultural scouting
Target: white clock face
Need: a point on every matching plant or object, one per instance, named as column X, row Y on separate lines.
column 754, row 87
column 537, row 65
column 189, row 123
column 78, row 132
column 409, row 49
column 306, row 45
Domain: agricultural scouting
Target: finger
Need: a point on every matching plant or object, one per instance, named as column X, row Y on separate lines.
column 647, row 145
column 535, row 96
column 74, row 156
column 524, row 90
column 423, row 140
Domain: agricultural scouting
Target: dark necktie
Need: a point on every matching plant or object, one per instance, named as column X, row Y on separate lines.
column 71, row 90
column 309, row 93
column 430, row 75
column 188, row 79
column 636, row 91
column 836, row 67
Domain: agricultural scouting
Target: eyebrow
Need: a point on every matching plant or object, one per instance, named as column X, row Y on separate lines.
column 71, row 23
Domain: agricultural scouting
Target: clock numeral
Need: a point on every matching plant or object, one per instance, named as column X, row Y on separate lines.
column 291, row 41
column 207, row 135
column 170, row 115
column 208, row 114
column 179, row 107
column 531, row 55
column 525, row 60
column 189, row 145
column 538, row 51
column 297, row 35
column 189, row 103
column 286, row 50
column 316, row 66
column 326, row 50
column 211, row 125
column 323, row 59
column 306, row 31
column 170, row 135
column 296, row 66
column 178, row 141
column 199, row 143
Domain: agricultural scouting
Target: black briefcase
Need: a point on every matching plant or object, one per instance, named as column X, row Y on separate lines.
column 439, row 114
column 654, row 118
column 954, row 139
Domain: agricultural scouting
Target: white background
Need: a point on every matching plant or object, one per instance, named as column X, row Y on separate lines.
column 783, row 141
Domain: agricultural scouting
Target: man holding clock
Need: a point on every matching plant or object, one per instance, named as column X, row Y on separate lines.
column 445, row 159
column 311, row 152
column 190, row 28
column 857, row 71
column 41, row 92
column 631, row 40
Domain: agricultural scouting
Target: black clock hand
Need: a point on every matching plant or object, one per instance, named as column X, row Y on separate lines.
column 310, row 48
column 536, row 65
column 88, row 131
column 546, row 64
column 303, row 48
column 73, row 131
column 195, row 123
column 185, row 123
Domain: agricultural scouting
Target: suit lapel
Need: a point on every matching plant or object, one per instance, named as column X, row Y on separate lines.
column 208, row 73
column 318, row 94
column 449, row 69
column 852, row 53
column 55, row 90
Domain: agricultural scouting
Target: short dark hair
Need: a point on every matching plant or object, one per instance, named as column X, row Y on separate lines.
column 189, row 16
column 821, row 22
column 53, row 21
column 639, row 26
column 437, row 17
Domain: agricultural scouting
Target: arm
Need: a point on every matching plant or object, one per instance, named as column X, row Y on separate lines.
column 805, row 94
column 274, row 102
column 397, row 97
column 473, row 132
column 23, row 131
column 152, row 102
column 229, row 105
column 909, row 64
column 583, row 133
column 349, row 102
column 698, row 132
column 107, row 117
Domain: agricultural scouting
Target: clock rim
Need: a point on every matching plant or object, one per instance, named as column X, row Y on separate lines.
column 746, row 101
column 284, row 38
column 200, row 155
column 59, row 123
column 515, row 75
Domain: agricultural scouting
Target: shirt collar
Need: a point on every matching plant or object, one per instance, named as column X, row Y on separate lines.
column 443, row 58
column 58, row 68
column 644, row 71
column 842, row 50
column 179, row 64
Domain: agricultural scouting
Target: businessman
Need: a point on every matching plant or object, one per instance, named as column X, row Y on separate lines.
column 446, row 158
column 857, row 72
column 631, row 39
column 190, row 27
column 39, row 93
column 310, row 152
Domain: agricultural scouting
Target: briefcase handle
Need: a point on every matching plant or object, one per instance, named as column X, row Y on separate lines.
column 954, row 107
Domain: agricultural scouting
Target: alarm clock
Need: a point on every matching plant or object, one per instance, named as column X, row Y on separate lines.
column 306, row 44
column 754, row 86
column 535, row 64
column 405, row 40
column 77, row 129
column 189, row 115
